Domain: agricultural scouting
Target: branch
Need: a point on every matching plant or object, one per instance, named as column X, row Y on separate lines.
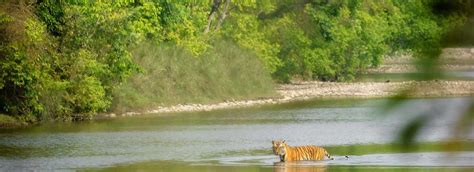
column 223, row 14
column 214, row 9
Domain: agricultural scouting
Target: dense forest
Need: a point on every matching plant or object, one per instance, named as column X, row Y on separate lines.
column 71, row 59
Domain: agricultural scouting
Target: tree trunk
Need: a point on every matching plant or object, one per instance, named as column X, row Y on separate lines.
column 223, row 14
column 215, row 7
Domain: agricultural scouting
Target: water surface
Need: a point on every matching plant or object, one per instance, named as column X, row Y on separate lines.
column 238, row 139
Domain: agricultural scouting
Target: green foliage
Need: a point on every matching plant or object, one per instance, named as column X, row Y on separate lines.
column 23, row 52
column 291, row 40
column 52, row 14
column 244, row 31
column 336, row 40
column 67, row 59
column 183, row 24
column 172, row 76
column 50, row 77
column 348, row 39
column 98, row 30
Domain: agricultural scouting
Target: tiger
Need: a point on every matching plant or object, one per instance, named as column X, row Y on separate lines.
column 298, row 153
column 275, row 145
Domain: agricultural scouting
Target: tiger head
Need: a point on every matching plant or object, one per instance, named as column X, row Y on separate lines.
column 279, row 148
column 276, row 144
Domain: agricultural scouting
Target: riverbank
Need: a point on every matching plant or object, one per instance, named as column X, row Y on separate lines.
column 10, row 122
column 300, row 91
column 316, row 89
column 451, row 59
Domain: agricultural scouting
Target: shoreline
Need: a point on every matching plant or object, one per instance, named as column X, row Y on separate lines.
column 301, row 91
column 451, row 59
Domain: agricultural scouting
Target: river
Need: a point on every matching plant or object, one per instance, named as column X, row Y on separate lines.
column 239, row 139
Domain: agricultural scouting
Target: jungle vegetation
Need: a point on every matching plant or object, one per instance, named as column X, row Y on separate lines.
column 71, row 59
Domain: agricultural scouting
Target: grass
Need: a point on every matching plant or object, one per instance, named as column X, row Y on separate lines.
column 173, row 76
column 9, row 122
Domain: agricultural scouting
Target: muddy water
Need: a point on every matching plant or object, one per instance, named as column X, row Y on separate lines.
column 237, row 140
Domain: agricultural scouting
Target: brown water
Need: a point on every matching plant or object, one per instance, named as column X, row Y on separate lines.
column 239, row 139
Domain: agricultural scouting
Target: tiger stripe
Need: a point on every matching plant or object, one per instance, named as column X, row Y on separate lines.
column 298, row 153
column 301, row 153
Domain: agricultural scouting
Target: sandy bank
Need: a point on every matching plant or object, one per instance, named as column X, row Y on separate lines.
column 451, row 59
column 315, row 89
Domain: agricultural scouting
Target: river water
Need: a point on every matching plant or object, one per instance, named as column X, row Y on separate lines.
column 238, row 139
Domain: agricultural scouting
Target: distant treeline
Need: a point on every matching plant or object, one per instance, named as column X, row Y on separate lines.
column 70, row 59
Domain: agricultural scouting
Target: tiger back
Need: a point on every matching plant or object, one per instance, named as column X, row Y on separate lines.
column 301, row 153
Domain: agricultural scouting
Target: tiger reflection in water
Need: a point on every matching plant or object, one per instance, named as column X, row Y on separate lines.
column 295, row 166
column 298, row 153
